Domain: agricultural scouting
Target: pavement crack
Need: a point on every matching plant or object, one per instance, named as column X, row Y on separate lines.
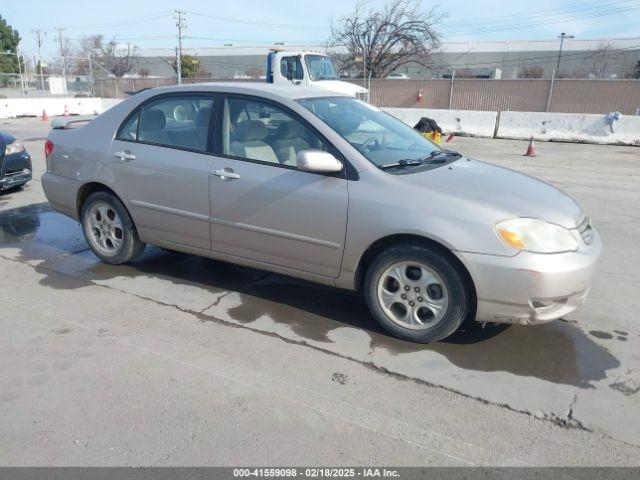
column 216, row 303
column 567, row 421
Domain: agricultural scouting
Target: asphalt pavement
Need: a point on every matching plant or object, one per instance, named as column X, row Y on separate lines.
column 181, row 360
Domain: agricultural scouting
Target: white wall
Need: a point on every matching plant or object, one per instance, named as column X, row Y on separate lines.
column 16, row 107
column 573, row 127
column 466, row 122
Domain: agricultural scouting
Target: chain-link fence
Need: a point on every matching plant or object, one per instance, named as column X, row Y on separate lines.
column 32, row 85
column 531, row 95
column 526, row 95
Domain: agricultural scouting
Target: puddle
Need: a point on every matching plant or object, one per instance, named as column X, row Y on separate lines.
column 39, row 232
column 558, row 352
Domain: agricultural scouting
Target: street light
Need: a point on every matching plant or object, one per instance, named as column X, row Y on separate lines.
column 562, row 36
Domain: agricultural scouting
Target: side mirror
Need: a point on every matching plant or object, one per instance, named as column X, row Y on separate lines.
column 317, row 161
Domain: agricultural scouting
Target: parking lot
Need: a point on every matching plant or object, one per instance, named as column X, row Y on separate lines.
column 180, row 360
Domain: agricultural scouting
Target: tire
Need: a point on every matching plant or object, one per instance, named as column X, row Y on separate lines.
column 109, row 230
column 437, row 299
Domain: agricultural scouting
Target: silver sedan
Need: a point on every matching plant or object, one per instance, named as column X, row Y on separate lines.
column 329, row 189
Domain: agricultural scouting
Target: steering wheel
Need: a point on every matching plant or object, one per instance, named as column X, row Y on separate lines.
column 368, row 143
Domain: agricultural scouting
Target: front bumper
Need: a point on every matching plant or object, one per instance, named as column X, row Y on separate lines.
column 15, row 170
column 531, row 288
column 15, row 179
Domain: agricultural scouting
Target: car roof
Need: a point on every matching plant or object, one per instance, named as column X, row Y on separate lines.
column 270, row 90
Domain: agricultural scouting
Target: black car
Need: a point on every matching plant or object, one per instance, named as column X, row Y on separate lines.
column 15, row 162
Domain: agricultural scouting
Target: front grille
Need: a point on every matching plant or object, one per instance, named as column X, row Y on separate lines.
column 14, row 173
column 585, row 230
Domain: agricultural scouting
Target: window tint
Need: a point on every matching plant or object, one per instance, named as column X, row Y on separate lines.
column 129, row 129
column 291, row 66
column 261, row 131
column 181, row 121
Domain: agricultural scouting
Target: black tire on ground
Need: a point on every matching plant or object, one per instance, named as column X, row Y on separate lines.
column 460, row 297
column 131, row 246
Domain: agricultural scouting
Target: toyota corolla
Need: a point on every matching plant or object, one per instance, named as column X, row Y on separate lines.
column 326, row 188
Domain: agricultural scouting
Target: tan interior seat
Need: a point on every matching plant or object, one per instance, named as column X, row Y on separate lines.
column 289, row 141
column 248, row 142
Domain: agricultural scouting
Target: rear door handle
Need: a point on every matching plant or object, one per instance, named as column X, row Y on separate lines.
column 225, row 173
column 125, row 155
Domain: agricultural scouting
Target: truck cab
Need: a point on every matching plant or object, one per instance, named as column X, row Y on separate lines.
column 311, row 69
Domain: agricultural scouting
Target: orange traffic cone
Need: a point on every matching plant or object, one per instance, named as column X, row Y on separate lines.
column 449, row 138
column 66, row 110
column 45, row 117
column 531, row 149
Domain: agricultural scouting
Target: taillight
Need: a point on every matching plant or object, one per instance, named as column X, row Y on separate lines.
column 48, row 148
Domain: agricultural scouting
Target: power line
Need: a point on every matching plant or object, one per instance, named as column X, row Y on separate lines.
column 548, row 21
column 124, row 22
column 258, row 23
column 543, row 14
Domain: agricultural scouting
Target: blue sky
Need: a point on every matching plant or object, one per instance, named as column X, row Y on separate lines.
column 150, row 23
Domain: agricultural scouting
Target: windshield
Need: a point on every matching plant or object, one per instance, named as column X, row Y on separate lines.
column 320, row 67
column 381, row 138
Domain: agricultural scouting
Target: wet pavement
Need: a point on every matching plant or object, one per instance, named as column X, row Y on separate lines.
column 582, row 371
column 540, row 370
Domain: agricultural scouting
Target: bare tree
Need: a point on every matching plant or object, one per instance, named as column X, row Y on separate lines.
column 599, row 60
column 383, row 40
column 531, row 71
column 116, row 58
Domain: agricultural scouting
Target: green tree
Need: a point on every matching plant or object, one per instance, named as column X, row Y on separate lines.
column 9, row 40
column 189, row 66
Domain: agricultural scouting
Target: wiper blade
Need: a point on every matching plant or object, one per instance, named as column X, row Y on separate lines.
column 448, row 153
column 401, row 163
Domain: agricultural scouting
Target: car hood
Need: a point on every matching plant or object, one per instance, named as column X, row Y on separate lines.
column 6, row 139
column 509, row 193
column 340, row 87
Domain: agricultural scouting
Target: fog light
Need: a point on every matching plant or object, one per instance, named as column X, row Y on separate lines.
column 541, row 303
column 26, row 171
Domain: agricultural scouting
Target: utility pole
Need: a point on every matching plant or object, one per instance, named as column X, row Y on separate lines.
column 39, row 32
column 61, row 42
column 562, row 36
column 180, row 18
column 23, row 86
column 364, row 60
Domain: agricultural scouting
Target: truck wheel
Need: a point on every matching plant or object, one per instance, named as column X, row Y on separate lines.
column 109, row 230
column 416, row 293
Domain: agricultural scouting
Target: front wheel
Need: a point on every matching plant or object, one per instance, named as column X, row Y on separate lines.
column 109, row 230
column 416, row 293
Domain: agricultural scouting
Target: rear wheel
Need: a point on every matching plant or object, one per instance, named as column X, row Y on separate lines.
column 416, row 293
column 109, row 230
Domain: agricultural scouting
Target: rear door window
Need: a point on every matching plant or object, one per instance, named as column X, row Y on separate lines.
column 181, row 121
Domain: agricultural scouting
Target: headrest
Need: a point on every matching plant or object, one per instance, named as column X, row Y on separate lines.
column 250, row 130
column 152, row 119
column 202, row 117
column 289, row 129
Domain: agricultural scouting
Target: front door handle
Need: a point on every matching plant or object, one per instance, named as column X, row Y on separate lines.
column 225, row 173
column 125, row 155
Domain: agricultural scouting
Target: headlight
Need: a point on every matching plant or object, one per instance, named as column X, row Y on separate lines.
column 536, row 236
column 14, row 147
